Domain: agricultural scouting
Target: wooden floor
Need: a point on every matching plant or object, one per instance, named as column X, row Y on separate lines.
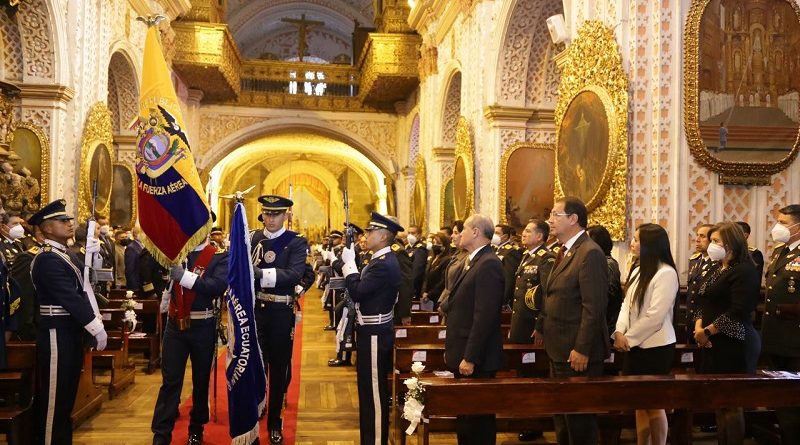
column 328, row 401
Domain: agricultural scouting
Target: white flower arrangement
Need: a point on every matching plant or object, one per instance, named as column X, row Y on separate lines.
column 129, row 305
column 415, row 398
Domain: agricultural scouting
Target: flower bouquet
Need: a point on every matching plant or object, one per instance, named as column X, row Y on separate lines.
column 415, row 398
column 129, row 305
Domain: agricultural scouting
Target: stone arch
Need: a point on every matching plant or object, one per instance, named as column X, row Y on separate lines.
column 451, row 110
column 322, row 174
column 36, row 21
column 123, row 92
column 525, row 74
column 265, row 128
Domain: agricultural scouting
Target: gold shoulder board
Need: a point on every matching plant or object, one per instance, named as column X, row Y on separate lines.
column 34, row 250
column 695, row 256
column 541, row 252
column 395, row 248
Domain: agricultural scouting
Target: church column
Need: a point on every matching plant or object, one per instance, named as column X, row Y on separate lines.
column 404, row 185
column 192, row 116
column 440, row 171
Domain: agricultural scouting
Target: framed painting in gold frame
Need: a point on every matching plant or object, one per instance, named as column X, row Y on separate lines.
column 96, row 162
column 464, row 171
column 33, row 147
column 527, row 183
column 419, row 199
column 123, row 196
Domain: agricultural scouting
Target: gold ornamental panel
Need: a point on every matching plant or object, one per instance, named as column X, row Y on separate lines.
column 207, row 59
column 591, row 120
column 419, row 207
column 464, row 171
column 389, row 66
column 123, row 196
column 741, row 100
column 97, row 151
column 527, row 181
column 32, row 145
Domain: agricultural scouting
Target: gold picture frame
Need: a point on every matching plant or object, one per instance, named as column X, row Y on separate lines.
column 419, row 201
column 97, row 152
column 593, row 65
column 517, row 149
column 446, row 209
column 730, row 171
column 464, row 171
column 43, row 159
column 119, row 194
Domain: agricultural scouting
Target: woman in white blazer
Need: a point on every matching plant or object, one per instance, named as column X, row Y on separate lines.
column 644, row 327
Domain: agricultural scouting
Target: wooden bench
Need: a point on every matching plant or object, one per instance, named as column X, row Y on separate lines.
column 520, row 398
column 433, row 317
column 89, row 397
column 148, row 314
column 115, row 356
column 17, row 388
column 426, row 334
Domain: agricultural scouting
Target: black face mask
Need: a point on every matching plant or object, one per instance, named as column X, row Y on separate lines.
column 437, row 249
column 124, row 242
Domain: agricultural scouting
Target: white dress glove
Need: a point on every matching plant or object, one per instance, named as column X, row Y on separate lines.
column 92, row 245
column 348, row 255
column 102, row 339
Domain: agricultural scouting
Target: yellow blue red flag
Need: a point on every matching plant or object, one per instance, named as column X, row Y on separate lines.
column 173, row 212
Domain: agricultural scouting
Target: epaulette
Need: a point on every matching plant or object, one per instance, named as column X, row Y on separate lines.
column 508, row 247
column 778, row 246
column 555, row 249
column 695, row 255
column 395, row 248
column 752, row 249
column 252, row 232
column 300, row 235
column 34, row 250
column 219, row 250
column 382, row 257
column 83, row 250
column 47, row 248
column 541, row 252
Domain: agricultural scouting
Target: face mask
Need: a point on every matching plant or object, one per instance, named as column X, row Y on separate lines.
column 412, row 240
column 781, row 233
column 496, row 240
column 429, row 246
column 716, row 252
column 16, row 232
column 104, row 230
column 437, row 249
column 70, row 242
column 124, row 242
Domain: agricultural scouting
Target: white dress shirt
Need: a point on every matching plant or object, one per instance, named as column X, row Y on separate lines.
column 652, row 325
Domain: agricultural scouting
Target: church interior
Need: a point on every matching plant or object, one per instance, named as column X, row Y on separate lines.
column 674, row 112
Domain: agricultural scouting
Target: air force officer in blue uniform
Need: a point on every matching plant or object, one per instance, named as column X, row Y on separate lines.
column 374, row 292
column 279, row 262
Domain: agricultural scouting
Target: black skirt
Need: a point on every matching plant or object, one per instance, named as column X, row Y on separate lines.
column 649, row 361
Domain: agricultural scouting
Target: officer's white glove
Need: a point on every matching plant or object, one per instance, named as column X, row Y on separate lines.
column 92, row 245
column 349, row 259
column 102, row 339
column 164, row 307
column 176, row 272
column 298, row 290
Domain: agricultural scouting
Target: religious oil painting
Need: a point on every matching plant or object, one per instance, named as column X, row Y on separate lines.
column 448, row 204
column 528, row 195
column 460, row 189
column 100, row 170
column 583, row 147
column 122, row 204
column 748, row 87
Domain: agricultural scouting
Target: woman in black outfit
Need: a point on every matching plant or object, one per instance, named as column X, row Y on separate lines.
column 600, row 235
column 723, row 322
column 454, row 267
column 436, row 269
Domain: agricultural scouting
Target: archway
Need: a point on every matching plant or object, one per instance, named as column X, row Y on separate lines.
column 123, row 92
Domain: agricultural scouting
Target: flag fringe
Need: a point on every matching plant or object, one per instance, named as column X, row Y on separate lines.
column 247, row 438
column 198, row 237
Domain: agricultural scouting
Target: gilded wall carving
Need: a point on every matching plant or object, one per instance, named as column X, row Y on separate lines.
column 36, row 34
column 125, row 107
column 381, row 135
column 12, row 48
column 214, row 128
column 452, row 111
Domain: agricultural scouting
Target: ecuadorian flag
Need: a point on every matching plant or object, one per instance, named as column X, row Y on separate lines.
column 173, row 212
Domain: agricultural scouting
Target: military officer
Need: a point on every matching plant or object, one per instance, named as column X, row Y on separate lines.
column 374, row 291
column 402, row 310
column 699, row 264
column 279, row 263
column 533, row 269
column 21, row 273
column 780, row 328
column 66, row 316
column 12, row 231
column 364, row 254
column 332, row 296
column 419, row 258
column 190, row 333
column 343, row 353
column 758, row 257
column 510, row 255
column 217, row 237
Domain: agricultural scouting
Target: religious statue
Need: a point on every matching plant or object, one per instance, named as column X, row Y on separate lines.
column 15, row 194
column 303, row 26
column 31, row 189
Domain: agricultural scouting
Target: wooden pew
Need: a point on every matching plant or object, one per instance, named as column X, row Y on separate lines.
column 425, row 334
column 148, row 314
column 17, row 388
column 115, row 355
column 433, row 317
column 520, row 398
column 89, row 397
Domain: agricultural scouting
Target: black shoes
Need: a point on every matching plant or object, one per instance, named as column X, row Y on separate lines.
column 529, row 436
column 195, row 438
column 336, row 362
column 275, row 437
column 330, row 327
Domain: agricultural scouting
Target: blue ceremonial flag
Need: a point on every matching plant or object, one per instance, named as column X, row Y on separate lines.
column 247, row 382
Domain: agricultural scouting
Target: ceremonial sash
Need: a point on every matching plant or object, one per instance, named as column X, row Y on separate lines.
column 181, row 305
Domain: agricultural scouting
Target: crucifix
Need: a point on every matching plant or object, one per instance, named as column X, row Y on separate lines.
column 302, row 27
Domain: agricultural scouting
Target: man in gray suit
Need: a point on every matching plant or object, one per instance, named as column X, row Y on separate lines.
column 572, row 322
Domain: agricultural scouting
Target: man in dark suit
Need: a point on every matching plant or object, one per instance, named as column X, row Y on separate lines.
column 758, row 257
column 572, row 323
column 474, row 343
column 419, row 258
column 780, row 329
column 374, row 292
column 132, row 253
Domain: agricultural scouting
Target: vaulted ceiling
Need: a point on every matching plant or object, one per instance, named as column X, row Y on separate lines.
column 259, row 32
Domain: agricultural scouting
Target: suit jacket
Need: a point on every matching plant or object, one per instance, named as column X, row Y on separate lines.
column 650, row 326
column 132, row 253
column 780, row 329
column 574, row 310
column 406, row 293
column 473, row 315
column 435, row 276
column 419, row 260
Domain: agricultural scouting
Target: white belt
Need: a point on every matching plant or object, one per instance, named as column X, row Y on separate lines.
column 370, row 320
column 53, row 310
column 286, row 299
column 201, row 315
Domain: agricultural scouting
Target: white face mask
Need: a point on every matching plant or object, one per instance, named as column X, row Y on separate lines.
column 16, row 232
column 781, row 233
column 104, row 230
column 716, row 252
column 496, row 240
column 70, row 242
column 412, row 240
column 429, row 246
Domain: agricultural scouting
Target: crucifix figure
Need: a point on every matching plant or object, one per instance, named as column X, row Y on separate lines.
column 302, row 27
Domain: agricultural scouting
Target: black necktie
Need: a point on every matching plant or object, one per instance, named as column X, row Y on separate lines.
column 560, row 256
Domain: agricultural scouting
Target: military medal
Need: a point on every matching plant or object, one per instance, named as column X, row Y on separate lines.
column 791, row 286
column 269, row 257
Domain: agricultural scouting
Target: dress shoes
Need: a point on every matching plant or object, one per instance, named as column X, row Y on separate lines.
column 335, row 362
column 329, row 328
column 275, row 437
column 529, row 436
column 195, row 438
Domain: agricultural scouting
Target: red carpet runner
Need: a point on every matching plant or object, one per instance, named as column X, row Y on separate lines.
column 216, row 433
